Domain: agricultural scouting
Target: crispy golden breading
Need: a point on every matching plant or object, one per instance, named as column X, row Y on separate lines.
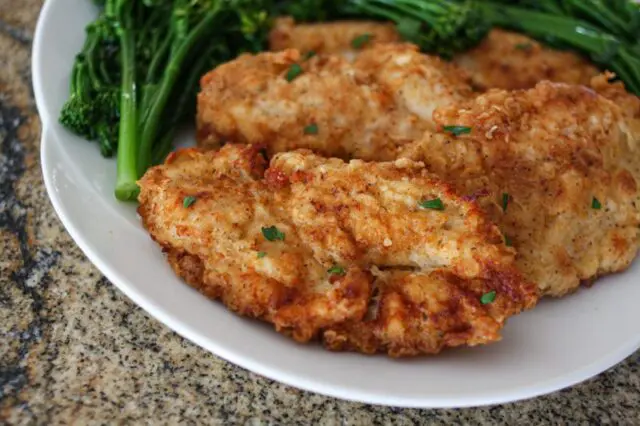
column 504, row 60
column 629, row 104
column 615, row 91
column 329, row 37
column 567, row 160
column 364, row 110
column 419, row 83
column 507, row 60
column 358, row 264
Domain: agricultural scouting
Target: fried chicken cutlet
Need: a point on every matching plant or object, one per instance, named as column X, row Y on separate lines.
column 508, row 60
column 503, row 60
column 365, row 109
column 345, row 38
column 368, row 257
column 556, row 168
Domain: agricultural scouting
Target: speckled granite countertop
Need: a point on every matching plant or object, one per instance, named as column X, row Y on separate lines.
column 73, row 349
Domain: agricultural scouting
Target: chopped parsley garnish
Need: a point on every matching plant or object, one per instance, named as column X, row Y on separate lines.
column 336, row 270
column 261, row 254
column 294, row 71
column 188, row 201
column 435, row 204
column 272, row 234
column 505, row 201
column 457, row 130
column 310, row 54
column 488, row 297
column 311, row 129
column 524, row 46
column 361, row 40
column 507, row 241
column 595, row 204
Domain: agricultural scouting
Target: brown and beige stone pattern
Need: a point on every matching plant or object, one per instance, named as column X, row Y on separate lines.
column 74, row 350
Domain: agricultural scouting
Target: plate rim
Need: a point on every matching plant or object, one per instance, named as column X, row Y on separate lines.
column 276, row 374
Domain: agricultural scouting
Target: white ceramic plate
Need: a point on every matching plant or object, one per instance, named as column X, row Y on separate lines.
column 558, row 344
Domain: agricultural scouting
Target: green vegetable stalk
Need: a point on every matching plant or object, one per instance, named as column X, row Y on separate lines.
column 126, row 187
column 135, row 81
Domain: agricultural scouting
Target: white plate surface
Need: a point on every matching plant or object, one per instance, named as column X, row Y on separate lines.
column 558, row 344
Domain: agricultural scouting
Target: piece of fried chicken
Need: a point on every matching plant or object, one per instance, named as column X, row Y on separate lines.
column 508, row 60
column 339, row 251
column 345, row 38
column 556, row 167
column 366, row 109
column 504, row 60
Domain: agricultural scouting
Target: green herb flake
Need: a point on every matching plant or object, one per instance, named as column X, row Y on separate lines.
column 261, row 254
column 188, row 201
column 272, row 234
column 435, row 204
column 505, row 201
column 361, row 40
column 310, row 54
column 294, row 71
column 336, row 270
column 524, row 46
column 457, row 130
column 595, row 204
column 507, row 241
column 311, row 129
column 488, row 297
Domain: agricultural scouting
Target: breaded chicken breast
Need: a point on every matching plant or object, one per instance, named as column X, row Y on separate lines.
column 606, row 85
column 345, row 38
column 365, row 109
column 508, row 60
column 556, row 168
column 504, row 60
column 369, row 257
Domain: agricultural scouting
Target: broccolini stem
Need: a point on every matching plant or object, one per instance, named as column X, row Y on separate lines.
column 375, row 10
column 165, row 146
column 171, row 74
column 104, row 72
column 75, row 76
column 427, row 11
column 599, row 12
column 90, row 52
column 150, row 87
column 127, row 175
column 555, row 28
column 160, row 55
column 183, row 104
column 410, row 11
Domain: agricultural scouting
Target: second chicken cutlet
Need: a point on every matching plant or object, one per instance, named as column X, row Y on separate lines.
column 369, row 257
column 365, row 109
column 345, row 38
column 556, row 167
column 508, row 60
column 504, row 59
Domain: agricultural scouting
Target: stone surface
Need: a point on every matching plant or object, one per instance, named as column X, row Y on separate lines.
column 73, row 349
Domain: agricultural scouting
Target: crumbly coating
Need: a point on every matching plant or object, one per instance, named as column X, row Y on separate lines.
column 556, row 151
column 361, row 265
column 330, row 37
column 366, row 109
